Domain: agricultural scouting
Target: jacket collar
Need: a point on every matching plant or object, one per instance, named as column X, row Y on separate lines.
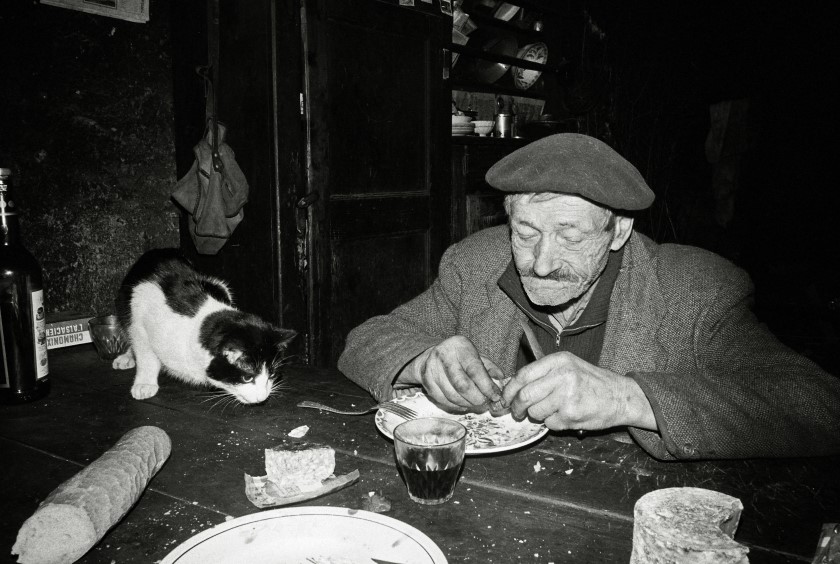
column 596, row 311
column 637, row 309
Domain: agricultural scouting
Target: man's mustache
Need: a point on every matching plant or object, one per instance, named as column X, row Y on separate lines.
column 559, row 275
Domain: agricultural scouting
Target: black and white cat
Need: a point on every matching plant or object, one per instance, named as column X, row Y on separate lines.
column 184, row 322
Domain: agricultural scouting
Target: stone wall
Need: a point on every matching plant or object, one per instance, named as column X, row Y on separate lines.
column 86, row 125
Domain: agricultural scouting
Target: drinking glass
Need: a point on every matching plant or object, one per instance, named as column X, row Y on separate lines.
column 430, row 454
column 107, row 337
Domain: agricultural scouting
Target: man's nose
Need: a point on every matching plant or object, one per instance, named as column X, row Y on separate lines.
column 546, row 257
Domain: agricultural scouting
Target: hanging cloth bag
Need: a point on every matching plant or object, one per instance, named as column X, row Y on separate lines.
column 214, row 190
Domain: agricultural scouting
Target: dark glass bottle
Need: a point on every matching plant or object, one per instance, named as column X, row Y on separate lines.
column 24, row 374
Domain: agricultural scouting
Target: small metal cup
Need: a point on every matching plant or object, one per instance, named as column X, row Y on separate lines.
column 504, row 125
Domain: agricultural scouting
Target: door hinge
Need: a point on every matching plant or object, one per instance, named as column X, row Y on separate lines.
column 307, row 200
column 447, row 58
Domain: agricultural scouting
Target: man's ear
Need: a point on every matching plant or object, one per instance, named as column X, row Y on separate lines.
column 623, row 229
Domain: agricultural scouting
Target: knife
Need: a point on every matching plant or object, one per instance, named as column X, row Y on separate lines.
column 533, row 343
column 537, row 351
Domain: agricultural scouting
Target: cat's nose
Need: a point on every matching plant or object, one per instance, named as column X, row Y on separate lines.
column 253, row 393
column 254, row 397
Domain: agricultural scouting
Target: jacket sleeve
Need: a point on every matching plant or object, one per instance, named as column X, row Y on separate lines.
column 380, row 347
column 745, row 395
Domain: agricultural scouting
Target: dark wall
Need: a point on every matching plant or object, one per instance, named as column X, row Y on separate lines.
column 652, row 71
column 86, row 126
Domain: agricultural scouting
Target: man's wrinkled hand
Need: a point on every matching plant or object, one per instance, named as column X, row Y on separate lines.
column 456, row 377
column 566, row 392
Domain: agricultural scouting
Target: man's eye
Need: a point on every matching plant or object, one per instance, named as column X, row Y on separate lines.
column 527, row 235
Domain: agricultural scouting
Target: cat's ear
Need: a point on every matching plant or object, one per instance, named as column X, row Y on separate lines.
column 282, row 337
column 232, row 354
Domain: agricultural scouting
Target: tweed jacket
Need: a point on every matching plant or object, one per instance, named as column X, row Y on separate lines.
column 680, row 324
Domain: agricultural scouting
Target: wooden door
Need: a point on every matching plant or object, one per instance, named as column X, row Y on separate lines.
column 378, row 161
column 258, row 99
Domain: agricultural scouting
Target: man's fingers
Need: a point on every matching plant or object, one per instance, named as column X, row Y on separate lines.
column 557, row 423
column 497, row 377
column 494, row 371
column 525, row 375
column 469, row 379
column 535, row 398
column 482, row 389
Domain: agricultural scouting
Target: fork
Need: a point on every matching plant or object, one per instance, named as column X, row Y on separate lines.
column 390, row 406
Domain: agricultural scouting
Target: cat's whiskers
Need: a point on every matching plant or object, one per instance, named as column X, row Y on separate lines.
column 279, row 361
column 213, row 398
column 223, row 400
column 229, row 401
column 211, row 395
column 278, row 387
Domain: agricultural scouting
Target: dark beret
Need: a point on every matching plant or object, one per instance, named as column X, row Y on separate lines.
column 572, row 163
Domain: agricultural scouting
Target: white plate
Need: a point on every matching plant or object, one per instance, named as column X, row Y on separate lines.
column 485, row 433
column 304, row 535
column 525, row 78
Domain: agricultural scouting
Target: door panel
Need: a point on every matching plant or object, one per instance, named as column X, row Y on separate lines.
column 378, row 142
column 258, row 98
column 369, row 281
column 378, row 111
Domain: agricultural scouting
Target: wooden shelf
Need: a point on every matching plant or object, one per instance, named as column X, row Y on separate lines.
column 558, row 67
column 486, row 21
column 495, row 88
column 509, row 143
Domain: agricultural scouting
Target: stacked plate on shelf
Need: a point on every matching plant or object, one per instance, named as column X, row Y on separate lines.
column 462, row 125
column 463, row 128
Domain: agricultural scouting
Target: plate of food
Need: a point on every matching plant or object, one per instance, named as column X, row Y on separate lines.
column 485, row 433
column 309, row 535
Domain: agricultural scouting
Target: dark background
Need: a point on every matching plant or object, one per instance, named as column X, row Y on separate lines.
column 86, row 124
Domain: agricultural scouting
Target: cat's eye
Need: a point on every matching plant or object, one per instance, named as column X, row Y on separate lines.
column 248, row 379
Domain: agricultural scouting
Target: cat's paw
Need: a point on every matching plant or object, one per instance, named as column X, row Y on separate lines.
column 143, row 391
column 124, row 361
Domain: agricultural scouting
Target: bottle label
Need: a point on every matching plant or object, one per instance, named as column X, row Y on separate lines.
column 6, row 380
column 39, row 322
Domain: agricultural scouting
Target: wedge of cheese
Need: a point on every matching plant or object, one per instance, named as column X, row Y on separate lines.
column 687, row 526
column 304, row 465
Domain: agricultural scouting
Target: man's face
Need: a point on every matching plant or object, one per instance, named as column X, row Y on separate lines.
column 560, row 246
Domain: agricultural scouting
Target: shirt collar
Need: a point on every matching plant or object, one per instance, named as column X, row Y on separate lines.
column 596, row 310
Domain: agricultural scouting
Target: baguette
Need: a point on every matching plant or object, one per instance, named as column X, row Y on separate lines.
column 78, row 513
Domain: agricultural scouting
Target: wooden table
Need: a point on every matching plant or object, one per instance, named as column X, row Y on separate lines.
column 559, row 500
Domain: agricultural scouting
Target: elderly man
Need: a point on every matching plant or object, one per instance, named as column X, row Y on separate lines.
column 657, row 339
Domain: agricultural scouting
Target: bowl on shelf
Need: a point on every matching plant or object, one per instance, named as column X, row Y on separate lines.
column 491, row 71
column 536, row 53
column 482, row 128
column 461, row 120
